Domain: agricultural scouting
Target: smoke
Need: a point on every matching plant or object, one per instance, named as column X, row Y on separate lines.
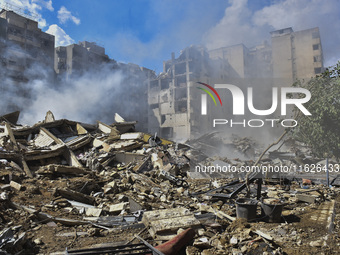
column 94, row 95
column 98, row 95
column 85, row 98
column 90, row 97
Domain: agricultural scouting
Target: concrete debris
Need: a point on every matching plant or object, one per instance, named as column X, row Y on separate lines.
column 71, row 186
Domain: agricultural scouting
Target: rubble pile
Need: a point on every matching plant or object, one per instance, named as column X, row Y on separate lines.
column 72, row 188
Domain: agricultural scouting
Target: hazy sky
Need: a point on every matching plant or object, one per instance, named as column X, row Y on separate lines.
column 145, row 32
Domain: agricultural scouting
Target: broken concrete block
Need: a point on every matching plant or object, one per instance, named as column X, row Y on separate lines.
column 134, row 206
column 132, row 136
column 169, row 220
column 156, row 161
column 233, row 240
column 118, row 118
column 272, row 194
column 317, row 243
column 93, row 212
column 117, row 208
column 97, row 143
column 49, row 117
column 3, row 196
column 37, row 241
column 305, row 198
column 110, row 187
column 202, row 243
column 74, row 195
column 15, row 185
column 61, row 169
column 112, row 131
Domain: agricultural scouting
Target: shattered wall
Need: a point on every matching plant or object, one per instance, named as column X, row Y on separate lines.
column 173, row 97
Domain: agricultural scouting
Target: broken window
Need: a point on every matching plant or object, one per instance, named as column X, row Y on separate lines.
column 180, row 93
column 15, row 31
column 166, row 132
column 181, row 81
column 180, row 68
column 61, row 66
column 153, row 84
column 315, row 46
column 195, row 67
column 165, row 84
column 163, row 118
column 181, row 106
column 154, row 106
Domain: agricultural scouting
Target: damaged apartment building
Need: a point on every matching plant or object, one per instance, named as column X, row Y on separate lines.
column 24, row 47
column 75, row 59
column 27, row 54
column 175, row 100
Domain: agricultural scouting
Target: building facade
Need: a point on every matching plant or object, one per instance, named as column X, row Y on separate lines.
column 174, row 101
column 174, row 97
column 24, row 50
column 75, row 59
column 296, row 55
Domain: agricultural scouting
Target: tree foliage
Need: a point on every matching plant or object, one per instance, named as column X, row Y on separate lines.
column 321, row 131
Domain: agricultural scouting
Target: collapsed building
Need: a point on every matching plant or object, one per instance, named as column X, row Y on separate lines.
column 173, row 98
column 176, row 112
column 68, row 187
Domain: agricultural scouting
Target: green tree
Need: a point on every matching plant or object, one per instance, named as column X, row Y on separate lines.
column 321, row 131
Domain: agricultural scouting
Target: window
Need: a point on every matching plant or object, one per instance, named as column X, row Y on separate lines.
column 163, row 118
column 315, row 46
column 154, row 106
column 317, row 70
column 317, row 58
column 164, row 84
column 154, row 84
column 167, row 132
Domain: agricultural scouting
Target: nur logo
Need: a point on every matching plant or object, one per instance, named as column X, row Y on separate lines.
column 239, row 99
column 204, row 97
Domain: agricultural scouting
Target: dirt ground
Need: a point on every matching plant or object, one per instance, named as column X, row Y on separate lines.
column 294, row 235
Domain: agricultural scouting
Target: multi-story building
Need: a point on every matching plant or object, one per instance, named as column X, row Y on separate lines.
column 237, row 57
column 291, row 56
column 25, row 45
column 173, row 97
column 174, row 102
column 24, row 49
column 296, row 55
column 75, row 59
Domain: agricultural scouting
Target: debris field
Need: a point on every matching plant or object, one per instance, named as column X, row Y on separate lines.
column 68, row 187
